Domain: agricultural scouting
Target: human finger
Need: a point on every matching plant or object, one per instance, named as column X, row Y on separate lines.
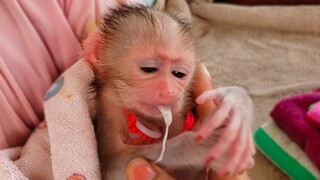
column 141, row 169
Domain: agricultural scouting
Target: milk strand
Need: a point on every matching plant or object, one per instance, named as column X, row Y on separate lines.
column 167, row 117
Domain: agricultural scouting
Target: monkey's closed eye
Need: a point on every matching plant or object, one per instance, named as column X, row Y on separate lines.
column 178, row 74
column 149, row 69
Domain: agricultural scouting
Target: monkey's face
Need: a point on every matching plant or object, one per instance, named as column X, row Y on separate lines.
column 157, row 76
column 148, row 58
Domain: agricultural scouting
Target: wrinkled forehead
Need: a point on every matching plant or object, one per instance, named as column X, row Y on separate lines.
column 161, row 34
column 149, row 30
column 171, row 32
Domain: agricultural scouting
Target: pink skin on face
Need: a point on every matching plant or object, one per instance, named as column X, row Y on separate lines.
column 160, row 80
column 159, row 87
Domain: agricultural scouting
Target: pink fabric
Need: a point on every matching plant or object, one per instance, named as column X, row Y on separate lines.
column 38, row 41
column 290, row 113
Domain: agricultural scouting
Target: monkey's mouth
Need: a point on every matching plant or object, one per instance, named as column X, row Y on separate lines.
column 152, row 112
column 149, row 115
column 148, row 124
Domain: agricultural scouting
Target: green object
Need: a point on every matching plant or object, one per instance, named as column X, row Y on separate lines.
column 284, row 153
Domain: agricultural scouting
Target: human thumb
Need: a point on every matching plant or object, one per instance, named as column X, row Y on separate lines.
column 140, row 169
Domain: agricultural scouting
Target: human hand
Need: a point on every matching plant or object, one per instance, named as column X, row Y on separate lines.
column 140, row 169
column 234, row 110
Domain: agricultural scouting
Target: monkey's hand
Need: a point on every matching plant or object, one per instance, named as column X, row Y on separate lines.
column 234, row 111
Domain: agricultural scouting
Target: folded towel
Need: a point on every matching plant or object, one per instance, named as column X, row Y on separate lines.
column 284, row 153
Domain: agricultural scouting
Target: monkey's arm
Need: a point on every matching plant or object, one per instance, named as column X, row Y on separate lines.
column 179, row 156
column 182, row 151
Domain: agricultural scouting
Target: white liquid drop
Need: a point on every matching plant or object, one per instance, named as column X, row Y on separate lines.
column 167, row 117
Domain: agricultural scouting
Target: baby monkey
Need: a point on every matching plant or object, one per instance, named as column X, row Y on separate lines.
column 146, row 59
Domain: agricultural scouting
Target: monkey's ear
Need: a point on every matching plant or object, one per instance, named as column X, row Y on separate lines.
column 90, row 49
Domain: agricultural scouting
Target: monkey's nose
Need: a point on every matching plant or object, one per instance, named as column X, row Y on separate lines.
column 167, row 94
column 167, row 98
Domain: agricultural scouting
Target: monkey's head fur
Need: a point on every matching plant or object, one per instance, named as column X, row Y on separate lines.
column 145, row 59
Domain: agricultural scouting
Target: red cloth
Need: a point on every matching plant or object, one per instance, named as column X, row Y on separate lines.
column 142, row 138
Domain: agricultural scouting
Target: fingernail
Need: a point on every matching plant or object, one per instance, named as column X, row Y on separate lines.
column 140, row 169
column 42, row 125
column 144, row 172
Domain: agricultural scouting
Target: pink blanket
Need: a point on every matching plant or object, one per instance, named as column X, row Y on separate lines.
column 72, row 151
column 290, row 114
